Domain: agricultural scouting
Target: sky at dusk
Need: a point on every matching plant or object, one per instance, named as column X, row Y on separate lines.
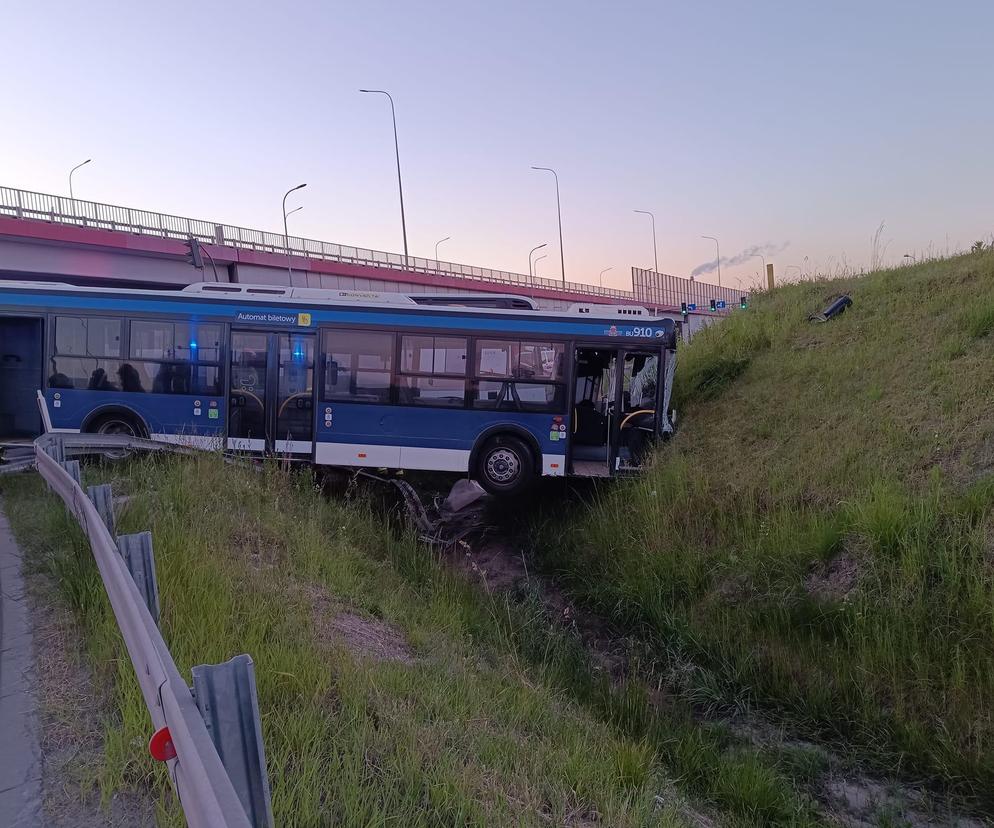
column 791, row 129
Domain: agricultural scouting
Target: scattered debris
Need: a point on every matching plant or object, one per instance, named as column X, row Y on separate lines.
column 837, row 307
column 450, row 520
column 16, row 457
column 464, row 493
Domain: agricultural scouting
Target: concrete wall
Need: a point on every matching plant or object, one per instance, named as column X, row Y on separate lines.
column 21, row 259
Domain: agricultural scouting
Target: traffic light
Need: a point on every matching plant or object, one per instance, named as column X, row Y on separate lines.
column 714, row 305
column 744, row 302
column 193, row 255
column 683, row 309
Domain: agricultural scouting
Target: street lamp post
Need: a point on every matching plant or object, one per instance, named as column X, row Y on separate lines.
column 559, row 211
column 396, row 147
column 537, row 260
column 718, row 253
column 600, row 276
column 437, row 244
column 655, row 252
column 72, row 199
column 531, row 273
column 203, row 248
column 286, row 232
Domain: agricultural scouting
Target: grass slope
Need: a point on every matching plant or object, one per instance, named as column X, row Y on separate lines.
column 416, row 712
column 394, row 691
column 819, row 535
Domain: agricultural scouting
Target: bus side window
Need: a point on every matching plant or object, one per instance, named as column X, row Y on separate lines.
column 87, row 353
column 433, row 371
column 168, row 357
column 518, row 376
column 357, row 366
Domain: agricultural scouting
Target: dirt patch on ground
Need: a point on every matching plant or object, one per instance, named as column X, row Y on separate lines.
column 371, row 637
column 845, row 794
column 72, row 710
column 735, row 588
column 864, row 803
column 499, row 567
column 367, row 637
column 261, row 551
column 835, row 580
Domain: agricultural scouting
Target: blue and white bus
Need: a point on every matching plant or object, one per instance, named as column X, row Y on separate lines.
column 497, row 390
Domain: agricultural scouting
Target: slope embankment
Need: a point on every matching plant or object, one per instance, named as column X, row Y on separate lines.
column 818, row 538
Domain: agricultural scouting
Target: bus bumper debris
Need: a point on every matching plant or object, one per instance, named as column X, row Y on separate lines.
column 837, row 307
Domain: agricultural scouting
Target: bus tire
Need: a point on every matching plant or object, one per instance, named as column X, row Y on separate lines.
column 505, row 465
column 116, row 422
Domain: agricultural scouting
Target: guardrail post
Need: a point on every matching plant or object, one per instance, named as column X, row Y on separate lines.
column 56, row 450
column 103, row 499
column 226, row 697
column 136, row 550
column 72, row 469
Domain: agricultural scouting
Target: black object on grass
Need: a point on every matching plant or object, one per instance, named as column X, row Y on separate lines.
column 837, row 307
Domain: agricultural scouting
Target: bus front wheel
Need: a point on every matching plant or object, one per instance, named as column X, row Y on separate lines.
column 505, row 466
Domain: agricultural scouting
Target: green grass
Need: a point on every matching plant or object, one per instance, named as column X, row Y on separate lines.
column 261, row 564
column 819, row 536
column 816, row 540
column 498, row 719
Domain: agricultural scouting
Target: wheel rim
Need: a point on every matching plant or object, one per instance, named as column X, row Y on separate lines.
column 503, row 466
column 117, row 427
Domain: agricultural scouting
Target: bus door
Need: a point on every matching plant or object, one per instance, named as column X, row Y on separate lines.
column 271, row 394
column 21, row 350
column 615, row 393
column 639, row 391
column 590, row 448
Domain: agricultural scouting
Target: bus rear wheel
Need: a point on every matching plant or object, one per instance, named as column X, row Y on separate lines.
column 505, row 466
column 118, row 425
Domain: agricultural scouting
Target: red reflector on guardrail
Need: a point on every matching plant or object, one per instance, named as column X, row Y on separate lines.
column 161, row 745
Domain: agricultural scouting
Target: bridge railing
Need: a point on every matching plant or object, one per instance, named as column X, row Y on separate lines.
column 64, row 210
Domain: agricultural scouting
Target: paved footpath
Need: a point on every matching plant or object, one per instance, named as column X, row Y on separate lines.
column 20, row 751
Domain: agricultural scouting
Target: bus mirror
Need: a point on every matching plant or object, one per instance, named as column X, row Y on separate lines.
column 332, row 372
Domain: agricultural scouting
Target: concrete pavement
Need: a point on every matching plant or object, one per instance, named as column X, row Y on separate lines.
column 20, row 733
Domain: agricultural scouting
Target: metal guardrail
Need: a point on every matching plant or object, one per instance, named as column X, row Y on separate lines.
column 63, row 210
column 192, row 733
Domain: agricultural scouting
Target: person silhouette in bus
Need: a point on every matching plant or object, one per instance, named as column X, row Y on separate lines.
column 99, row 381
column 163, row 382
column 58, row 379
column 130, row 379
